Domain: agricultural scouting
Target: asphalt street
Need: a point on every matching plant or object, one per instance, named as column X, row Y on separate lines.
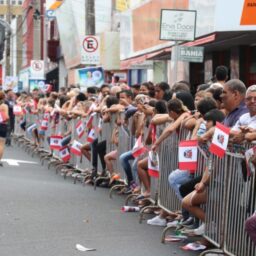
column 42, row 214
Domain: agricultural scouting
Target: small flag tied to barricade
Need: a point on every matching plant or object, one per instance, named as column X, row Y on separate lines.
column 64, row 154
column 153, row 164
column 76, row 148
column 17, row 110
column 91, row 136
column 188, row 155
column 55, row 142
column 89, row 122
column 138, row 148
column 3, row 117
column 44, row 124
column 220, row 140
column 80, row 129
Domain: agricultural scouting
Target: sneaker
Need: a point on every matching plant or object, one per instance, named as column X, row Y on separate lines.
column 157, row 221
column 198, row 231
column 173, row 224
column 187, row 222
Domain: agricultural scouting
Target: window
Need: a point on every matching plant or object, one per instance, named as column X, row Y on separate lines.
column 13, row 2
column 19, row 2
column 2, row 2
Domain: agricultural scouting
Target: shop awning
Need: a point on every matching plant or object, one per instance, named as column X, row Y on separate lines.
column 163, row 54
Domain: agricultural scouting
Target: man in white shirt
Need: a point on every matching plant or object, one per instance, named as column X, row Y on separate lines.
column 247, row 122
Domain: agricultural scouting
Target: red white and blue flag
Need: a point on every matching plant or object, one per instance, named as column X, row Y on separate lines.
column 188, row 155
column 44, row 124
column 90, row 120
column 64, row 154
column 139, row 148
column 55, row 142
column 91, row 136
column 80, row 129
column 220, row 140
column 76, row 148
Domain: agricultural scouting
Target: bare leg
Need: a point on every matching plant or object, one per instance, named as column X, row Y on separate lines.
column 85, row 151
column 192, row 204
column 143, row 175
column 109, row 158
column 2, row 144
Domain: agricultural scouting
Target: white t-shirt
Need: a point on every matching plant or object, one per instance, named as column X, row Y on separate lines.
column 245, row 120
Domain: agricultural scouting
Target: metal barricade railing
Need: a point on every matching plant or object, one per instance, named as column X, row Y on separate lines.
column 168, row 162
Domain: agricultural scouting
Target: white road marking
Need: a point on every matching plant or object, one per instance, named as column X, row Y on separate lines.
column 15, row 162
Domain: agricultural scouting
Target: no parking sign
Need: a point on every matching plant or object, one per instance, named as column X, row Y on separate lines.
column 90, row 50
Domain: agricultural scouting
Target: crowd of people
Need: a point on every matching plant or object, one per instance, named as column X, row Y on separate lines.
column 145, row 106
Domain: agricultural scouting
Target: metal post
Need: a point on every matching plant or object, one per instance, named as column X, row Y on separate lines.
column 45, row 20
column 90, row 17
column 8, row 42
column 174, row 59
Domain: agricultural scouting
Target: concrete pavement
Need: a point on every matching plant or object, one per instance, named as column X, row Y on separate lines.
column 42, row 214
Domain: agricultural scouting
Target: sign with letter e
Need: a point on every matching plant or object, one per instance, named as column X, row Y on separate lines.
column 37, row 69
column 177, row 25
column 90, row 50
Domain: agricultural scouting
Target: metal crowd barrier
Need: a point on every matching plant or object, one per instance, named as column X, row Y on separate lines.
column 231, row 193
column 231, row 200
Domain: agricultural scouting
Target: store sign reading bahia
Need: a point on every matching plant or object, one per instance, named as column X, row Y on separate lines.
column 177, row 25
column 191, row 54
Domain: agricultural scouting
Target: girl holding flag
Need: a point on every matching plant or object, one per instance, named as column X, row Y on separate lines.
column 4, row 116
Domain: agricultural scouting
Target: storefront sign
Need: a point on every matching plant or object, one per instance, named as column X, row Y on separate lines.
column 90, row 52
column 144, row 65
column 191, row 54
column 92, row 76
column 177, row 25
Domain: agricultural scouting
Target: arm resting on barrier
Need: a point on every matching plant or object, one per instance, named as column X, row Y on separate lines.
column 169, row 130
column 159, row 119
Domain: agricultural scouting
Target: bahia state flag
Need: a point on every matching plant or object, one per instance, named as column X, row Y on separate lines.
column 80, row 129
column 138, row 148
column 76, row 148
column 44, row 124
column 188, row 155
column 64, row 154
column 55, row 142
column 153, row 164
column 91, row 136
column 220, row 140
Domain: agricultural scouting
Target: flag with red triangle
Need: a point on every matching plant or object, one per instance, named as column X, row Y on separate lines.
column 220, row 140
column 80, row 129
column 138, row 148
column 76, row 148
column 188, row 155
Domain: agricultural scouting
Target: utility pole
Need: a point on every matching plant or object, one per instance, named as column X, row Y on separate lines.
column 89, row 17
column 8, row 42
